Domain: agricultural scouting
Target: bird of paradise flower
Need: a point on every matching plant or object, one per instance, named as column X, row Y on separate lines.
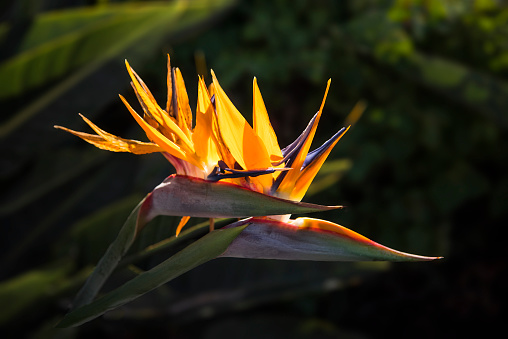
column 224, row 168
column 223, row 155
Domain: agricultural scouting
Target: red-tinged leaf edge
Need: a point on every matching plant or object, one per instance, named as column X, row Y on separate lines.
column 309, row 239
column 180, row 195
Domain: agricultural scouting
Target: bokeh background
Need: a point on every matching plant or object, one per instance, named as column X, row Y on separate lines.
column 424, row 170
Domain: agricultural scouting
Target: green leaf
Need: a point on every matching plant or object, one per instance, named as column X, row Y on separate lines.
column 109, row 261
column 164, row 245
column 91, row 238
column 60, row 41
column 24, row 290
column 41, row 180
column 23, row 199
column 188, row 196
column 474, row 89
column 33, row 288
column 182, row 196
column 96, row 36
column 205, row 249
column 390, row 44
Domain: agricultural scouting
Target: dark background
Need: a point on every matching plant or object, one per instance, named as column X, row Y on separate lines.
column 424, row 170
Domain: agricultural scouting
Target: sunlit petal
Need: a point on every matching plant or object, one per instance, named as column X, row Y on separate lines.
column 162, row 118
column 204, row 135
column 181, row 224
column 158, row 138
column 245, row 146
column 184, row 110
column 312, row 164
column 289, row 181
column 262, row 125
column 117, row 144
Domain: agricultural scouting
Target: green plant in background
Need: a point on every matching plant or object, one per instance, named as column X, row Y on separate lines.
column 424, row 170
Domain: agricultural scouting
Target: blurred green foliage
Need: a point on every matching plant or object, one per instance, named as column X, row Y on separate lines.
column 423, row 170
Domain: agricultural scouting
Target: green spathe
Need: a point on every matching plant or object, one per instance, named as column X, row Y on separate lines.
column 181, row 195
column 309, row 239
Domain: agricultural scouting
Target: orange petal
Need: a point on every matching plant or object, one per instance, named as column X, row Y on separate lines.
column 181, row 224
column 184, row 110
column 162, row 118
column 160, row 139
column 116, row 144
column 145, row 89
column 262, row 125
column 204, row 136
column 211, row 90
column 222, row 149
column 289, row 181
column 243, row 143
column 307, row 175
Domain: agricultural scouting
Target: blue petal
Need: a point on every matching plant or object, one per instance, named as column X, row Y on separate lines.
column 174, row 94
column 323, row 148
column 212, row 100
column 295, row 146
column 223, row 172
column 290, row 152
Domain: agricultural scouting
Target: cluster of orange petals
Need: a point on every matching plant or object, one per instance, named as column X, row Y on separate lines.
column 220, row 135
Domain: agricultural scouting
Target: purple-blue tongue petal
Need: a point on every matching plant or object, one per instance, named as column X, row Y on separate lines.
column 290, row 152
column 321, row 149
column 292, row 149
column 220, row 173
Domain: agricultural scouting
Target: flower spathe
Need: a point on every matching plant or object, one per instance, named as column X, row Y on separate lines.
column 308, row 239
column 234, row 170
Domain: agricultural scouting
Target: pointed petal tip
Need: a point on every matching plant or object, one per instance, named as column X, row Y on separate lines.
column 181, row 224
column 408, row 257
